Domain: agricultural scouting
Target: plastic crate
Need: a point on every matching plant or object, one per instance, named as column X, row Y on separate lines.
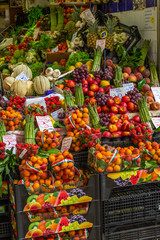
column 156, row 137
column 80, row 159
column 92, row 216
column 140, row 231
column 5, row 227
column 117, row 142
column 130, row 205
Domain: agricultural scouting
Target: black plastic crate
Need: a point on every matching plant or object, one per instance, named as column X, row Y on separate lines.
column 117, row 142
column 130, row 205
column 20, row 193
column 156, row 137
column 92, row 216
column 80, row 159
column 139, row 231
column 5, row 227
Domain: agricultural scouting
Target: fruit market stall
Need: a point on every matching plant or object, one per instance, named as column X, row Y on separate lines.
column 79, row 125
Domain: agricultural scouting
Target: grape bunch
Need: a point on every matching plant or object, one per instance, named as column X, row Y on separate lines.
column 70, row 200
column 104, row 119
column 61, row 117
column 80, row 73
column 134, row 95
column 101, row 98
column 78, row 218
column 106, row 75
column 73, row 108
column 78, row 192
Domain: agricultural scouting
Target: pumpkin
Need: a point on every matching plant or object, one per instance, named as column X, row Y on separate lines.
column 22, row 68
column 41, row 84
column 20, row 88
column 7, row 83
column 30, row 89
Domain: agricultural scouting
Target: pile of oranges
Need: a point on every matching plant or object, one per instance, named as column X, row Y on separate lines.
column 11, row 119
column 77, row 144
column 77, row 119
column 105, row 159
column 151, row 151
column 48, row 140
column 34, row 171
column 62, row 167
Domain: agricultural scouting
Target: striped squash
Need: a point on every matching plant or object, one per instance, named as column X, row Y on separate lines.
column 22, row 68
column 30, row 89
column 20, row 88
column 41, row 84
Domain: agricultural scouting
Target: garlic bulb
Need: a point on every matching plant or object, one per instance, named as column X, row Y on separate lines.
column 50, row 78
column 56, row 73
column 49, row 71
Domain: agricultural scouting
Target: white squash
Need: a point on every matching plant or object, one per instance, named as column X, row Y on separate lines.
column 30, row 89
column 22, row 68
column 41, row 84
column 7, row 83
column 20, row 88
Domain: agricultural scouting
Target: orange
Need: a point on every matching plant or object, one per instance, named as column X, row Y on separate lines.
column 76, row 149
column 52, row 158
column 66, row 171
column 78, row 120
column 43, row 176
column 79, row 115
column 47, row 182
column 70, row 165
column 57, row 183
column 60, row 157
column 45, row 160
column 65, row 153
column 100, row 169
column 85, row 110
column 36, row 165
column 56, row 169
column 27, row 183
column 117, row 168
column 155, row 157
column 158, row 152
column 64, row 165
column 128, row 152
column 26, row 173
column 41, row 181
column 158, row 160
column 152, row 151
column 12, row 128
column 53, row 145
column 70, row 134
column 33, row 177
column 48, row 140
column 118, row 162
column 10, row 123
column 109, row 169
column 85, row 115
column 74, row 116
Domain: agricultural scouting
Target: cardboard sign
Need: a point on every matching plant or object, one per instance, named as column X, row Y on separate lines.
column 23, row 153
column 55, row 114
column 22, row 76
column 128, row 87
column 66, row 144
column 55, row 49
column 10, row 141
column 101, row 43
column 156, row 93
column 35, row 34
column 89, row 16
column 44, row 122
column 119, row 92
column 156, row 121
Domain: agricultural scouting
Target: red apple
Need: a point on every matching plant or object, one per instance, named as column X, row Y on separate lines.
column 97, row 80
column 92, row 101
column 94, row 88
column 126, row 99
column 85, row 90
column 139, row 76
column 114, row 109
column 123, row 104
column 148, row 80
column 117, row 100
column 67, row 88
column 132, row 78
column 109, row 62
column 114, row 119
column 105, row 108
column 99, row 109
column 89, row 79
column 118, row 126
column 101, row 89
column 130, row 106
column 107, row 134
column 125, row 76
column 70, row 83
column 124, row 117
column 122, row 110
column 137, row 118
column 84, row 82
column 110, row 102
column 127, row 70
column 107, row 89
column 90, row 93
column 112, row 128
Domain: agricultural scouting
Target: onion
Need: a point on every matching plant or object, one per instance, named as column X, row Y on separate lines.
column 49, row 71
column 50, row 78
column 56, row 73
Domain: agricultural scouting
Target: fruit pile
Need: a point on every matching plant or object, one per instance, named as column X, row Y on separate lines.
column 16, row 102
column 26, row 151
column 35, row 110
column 150, row 151
column 48, row 140
column 140, row 132
column 11, row 118
column 2, row 150
column 77, row 119
column 53, row 104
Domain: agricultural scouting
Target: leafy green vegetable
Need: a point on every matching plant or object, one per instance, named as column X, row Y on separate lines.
column 77, row 57
column 34, row 14
column 36, row 68
column 43, row 44
column 57, row 124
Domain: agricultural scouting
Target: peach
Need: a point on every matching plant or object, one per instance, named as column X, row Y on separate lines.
column 146, row 88
column 127, row 70
column 149, row 93
column 132, row 78
column 146, row 73
column 141, row 69
column 150, row 100
column 125, row 76
column 148, row 80
column 139, row 76
column 155, row 106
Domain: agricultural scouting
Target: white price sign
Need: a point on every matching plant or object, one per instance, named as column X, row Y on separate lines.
column 128, row 87
column 66, row 144
column 55, row 114
column 101, row 43
column 117, row 92
column 156, row 121
column 10, row 141
column 74, row 36
column 89, row 16
column 44, row 123
column 156, row 93
column 22, row 76
column 55, row 49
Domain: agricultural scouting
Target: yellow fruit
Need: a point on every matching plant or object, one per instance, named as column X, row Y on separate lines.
column 89, row 68
column 104, row 83
column 52, row 120
column 91, row 75
column 78, row 64
column 89, row 63
column 71, row 68
column 55, row 63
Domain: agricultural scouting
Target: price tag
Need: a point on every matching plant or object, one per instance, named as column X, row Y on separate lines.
column 119, row 92
column 101, row 43
column 128, row 87
column 156, row 93
column 10, row 141
column 156, row 121
column 66, row 144
column 74, row 36
column 22, row 76
column 35, row 34
column 55, row 114
column 44, row 122
column 22, row 153
column 89, row 16
column 55, row 49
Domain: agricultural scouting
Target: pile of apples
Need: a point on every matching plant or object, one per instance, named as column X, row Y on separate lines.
column 136, row 74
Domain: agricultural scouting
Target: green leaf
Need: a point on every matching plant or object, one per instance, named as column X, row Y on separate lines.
column 149, row 178
column 46, row 197
column 57, row 220
column 140, row 180
column 53, row 151
column 141, row 83
column 47, row 224
column 101, row 164
column 150, row 84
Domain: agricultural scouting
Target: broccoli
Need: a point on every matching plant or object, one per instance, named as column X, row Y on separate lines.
column 36, row 68
column 17, row 53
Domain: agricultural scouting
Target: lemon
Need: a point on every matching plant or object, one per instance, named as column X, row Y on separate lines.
column 91, row 75
column 104, row 83
column 89, row 68
column 78, row 64
column 89, row 63
column 71, row 68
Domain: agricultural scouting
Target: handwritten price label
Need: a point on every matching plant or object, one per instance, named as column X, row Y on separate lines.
column 22, row 76
column 156, row 93
column 89, row 16
column 10, row 141
column 66, row 144
column 117, row 92
column 55, row 114
column 101, row 43
column 156, row 121
column 128, row 87
column 44, row 122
